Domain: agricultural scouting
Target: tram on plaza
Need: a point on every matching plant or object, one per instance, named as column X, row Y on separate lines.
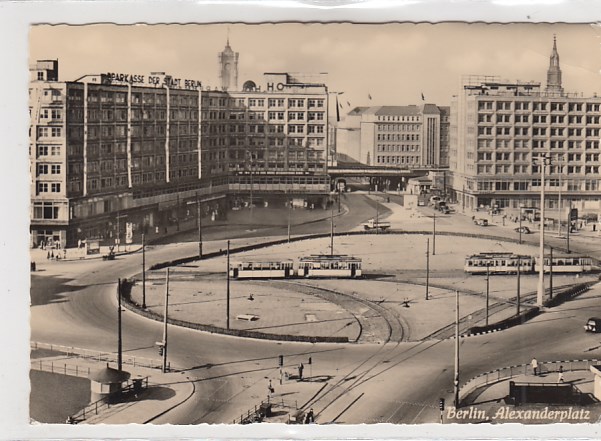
column 566, row 264
column 324, row 265
column 507, row 263
column 255, row 269
column 498, row 263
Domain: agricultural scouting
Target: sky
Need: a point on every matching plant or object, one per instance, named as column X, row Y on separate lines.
column 394, row 63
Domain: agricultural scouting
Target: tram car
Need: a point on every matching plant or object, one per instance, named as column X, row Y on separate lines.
column 323, row 265
column 498, row 263
column 566, row 264
column 256, row 269
column 507, row 263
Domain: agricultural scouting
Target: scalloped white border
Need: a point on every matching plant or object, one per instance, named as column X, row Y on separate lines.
column 15, row 18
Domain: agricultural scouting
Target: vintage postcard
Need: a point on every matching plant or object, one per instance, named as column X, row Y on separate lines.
column 315, row 224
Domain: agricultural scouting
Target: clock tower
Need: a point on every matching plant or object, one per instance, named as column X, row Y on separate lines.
column 228, row 68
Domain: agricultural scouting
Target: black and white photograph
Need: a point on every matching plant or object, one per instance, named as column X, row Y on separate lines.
column 315, row 223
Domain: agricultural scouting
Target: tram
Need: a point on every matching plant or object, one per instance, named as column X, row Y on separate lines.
column 255, row 269
column 566, row 264
column 507, row 263
column 320, row 265
column 498, row 263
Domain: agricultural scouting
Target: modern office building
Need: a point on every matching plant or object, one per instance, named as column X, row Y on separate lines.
column 396, row 136
column 500, row 129
column 116, row 154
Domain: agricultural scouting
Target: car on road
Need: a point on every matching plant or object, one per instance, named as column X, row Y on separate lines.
column 481, row 222
column 593, row 325
column 523, row 230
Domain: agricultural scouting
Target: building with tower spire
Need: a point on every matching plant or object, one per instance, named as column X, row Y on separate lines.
column 228, row 68
column 554, row 72
column 500, row 128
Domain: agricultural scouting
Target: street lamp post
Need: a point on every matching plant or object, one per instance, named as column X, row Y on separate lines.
column 427, row 267
column 227, row 303
column 143, row 271
column 519, row 287
column 551, row 273
column 456, row 376
column 543, row 161
column 487, row 289
column 119, row 330
column 199, row 215
column 434, row 235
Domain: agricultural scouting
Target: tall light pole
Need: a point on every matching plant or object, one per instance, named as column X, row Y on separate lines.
column 199, row 216
column 332, row 231
column 434, row 235
column 456, row 377
column 143, row 271
column 559, row 200
column 519, row 286
column 166, row 312
column 427, row 268
column 543, row 161
column 119, row 332
column 487, row 289
column 227, row 302
column 551, row 273
column 289, row 210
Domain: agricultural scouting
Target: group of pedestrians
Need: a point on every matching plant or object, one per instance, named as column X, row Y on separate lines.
column 536, row 370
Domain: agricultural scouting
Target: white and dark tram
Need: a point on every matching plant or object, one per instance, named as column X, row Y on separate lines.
column 324, row 265
column 257, row 269
column 507, row 263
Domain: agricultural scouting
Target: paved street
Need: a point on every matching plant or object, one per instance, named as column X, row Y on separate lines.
column 74, row 304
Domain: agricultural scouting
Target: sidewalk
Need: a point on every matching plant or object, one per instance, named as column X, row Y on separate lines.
column 165, row 391
column 491, row 403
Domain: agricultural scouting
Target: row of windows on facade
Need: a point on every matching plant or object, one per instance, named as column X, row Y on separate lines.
column 540, row 106
column 535, row 184
column 398, row 159
column 398, row 127
column 558, row 160
column 137, row 131
column 397, row 148
column 398, row 137
column 536, row 119
column 190, row 99
column 398, row 118
column 525, row 169
column 536, row 131
column 536, row 144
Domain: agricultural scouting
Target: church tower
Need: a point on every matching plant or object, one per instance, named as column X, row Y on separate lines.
column 554, row 72
column 228, row 68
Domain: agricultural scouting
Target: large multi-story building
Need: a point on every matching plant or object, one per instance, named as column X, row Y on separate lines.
column 499, row 129
column 115, row 150
column 396, row 136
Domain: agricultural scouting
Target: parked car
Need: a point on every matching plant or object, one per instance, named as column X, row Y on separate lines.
column 593, row 325
column 481, row 222
column 523, row 230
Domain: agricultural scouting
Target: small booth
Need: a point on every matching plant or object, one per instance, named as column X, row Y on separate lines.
column 107, row 381
column 596, row 370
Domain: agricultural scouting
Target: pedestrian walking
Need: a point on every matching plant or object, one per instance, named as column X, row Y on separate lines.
column 301, row 367
column 560, row 375
column 64, row 253
column 48, row 255
column 534, row 365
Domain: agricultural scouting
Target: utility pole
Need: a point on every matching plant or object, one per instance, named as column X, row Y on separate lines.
column 569, row 224
column 289, row 210
column 165, row 322
column 559, row 199
column 227, row 304
column 519, row 287
column 199, row 216
column 427, row 267
column 456, row 379
column 119, row 335
column 541, row 274
column 551, row 274
column 143, row 271
column 520, row 225
column 434, row 235
column 487, row 289
column 118, row 230
column 332, row 231
column 377, row 214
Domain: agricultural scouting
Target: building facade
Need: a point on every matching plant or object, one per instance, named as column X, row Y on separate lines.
column 396, row 136
column 500, row 129
column 117, row 152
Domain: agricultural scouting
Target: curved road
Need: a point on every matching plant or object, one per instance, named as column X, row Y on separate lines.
column 396, row 382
